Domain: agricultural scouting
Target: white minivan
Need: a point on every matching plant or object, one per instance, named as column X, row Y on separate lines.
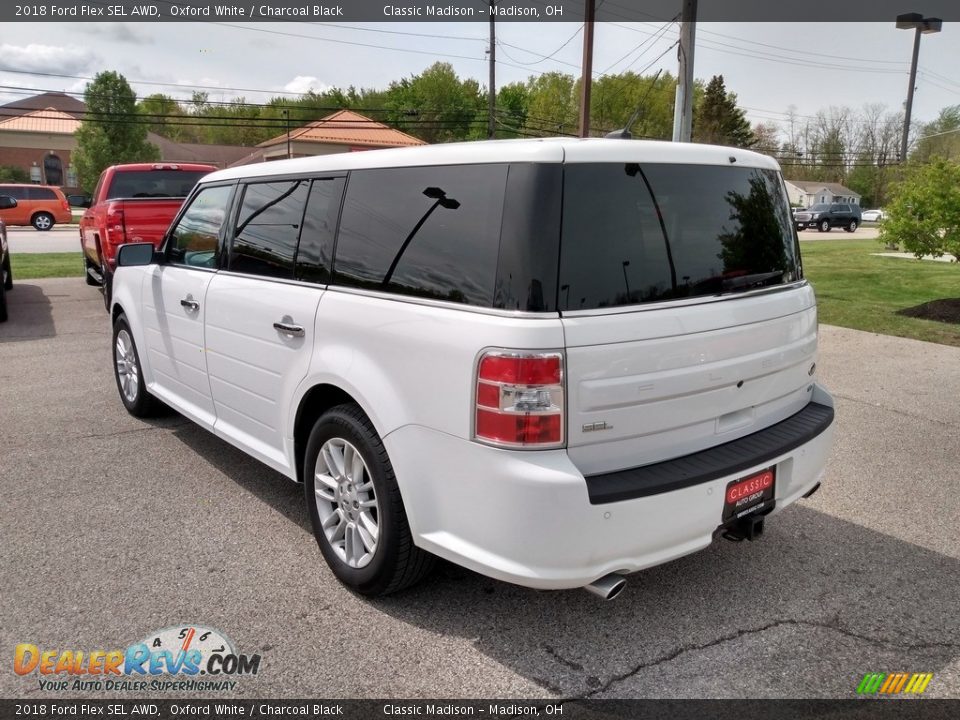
column 554, row 362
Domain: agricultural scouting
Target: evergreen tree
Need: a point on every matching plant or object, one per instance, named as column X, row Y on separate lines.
column 718, row 121
column 111, row 131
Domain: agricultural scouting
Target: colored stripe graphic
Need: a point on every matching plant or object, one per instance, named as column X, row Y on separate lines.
column 894, row 683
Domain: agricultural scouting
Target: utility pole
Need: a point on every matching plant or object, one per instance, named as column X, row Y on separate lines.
column 492, row 93
column 683, row 104
column 586, row 78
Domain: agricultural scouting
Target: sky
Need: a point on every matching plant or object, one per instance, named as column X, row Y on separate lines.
column 770, row 66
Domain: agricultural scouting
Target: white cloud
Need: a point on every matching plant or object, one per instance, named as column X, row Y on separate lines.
column 119, row 32
column 69, row 60
column 305, row 83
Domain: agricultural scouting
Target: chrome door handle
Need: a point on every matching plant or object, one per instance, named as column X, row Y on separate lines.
column 191, row 305
column 288, row 329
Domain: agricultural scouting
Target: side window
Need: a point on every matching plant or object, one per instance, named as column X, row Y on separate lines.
column 40, row 193
column 194, row 239
column 315, row 252
column 16, row 192
column 268, row 226
column 427, row 231
column 96, row 190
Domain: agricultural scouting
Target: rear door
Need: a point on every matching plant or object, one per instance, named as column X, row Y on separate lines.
column 261, row 312
column 686, row 321
column 174, row 305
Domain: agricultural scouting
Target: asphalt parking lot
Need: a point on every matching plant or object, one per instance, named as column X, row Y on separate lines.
column 113, row 527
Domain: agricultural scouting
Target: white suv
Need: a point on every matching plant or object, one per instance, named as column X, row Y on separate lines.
column 553, row 362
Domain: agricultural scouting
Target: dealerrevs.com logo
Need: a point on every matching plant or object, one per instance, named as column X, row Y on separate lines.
column 186, row 657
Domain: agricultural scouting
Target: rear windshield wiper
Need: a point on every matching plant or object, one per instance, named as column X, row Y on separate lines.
column 742, row 283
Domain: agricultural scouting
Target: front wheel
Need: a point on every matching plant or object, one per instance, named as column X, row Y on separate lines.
column 824, row 226
column 852, row 226
column 355, row 506
column 42, row 221
column 128, row 373
column 7, row 274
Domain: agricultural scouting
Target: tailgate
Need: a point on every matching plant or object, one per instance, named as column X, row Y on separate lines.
column 147, row 220
column 653, row 384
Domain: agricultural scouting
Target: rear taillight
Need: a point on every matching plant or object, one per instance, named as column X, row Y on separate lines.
column 518, row 400
column 115, row 227
column 65, row 204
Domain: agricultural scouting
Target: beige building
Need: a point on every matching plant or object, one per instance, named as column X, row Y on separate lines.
column 343, row 131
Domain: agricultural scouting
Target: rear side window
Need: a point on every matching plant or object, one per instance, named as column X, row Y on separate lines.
column 153, row 183
column 315, row 252
column 637, row 234
column 267, row 229
column 39, row 193
column 427, row 231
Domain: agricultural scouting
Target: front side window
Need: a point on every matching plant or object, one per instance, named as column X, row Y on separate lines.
column 194, row 240
column 428, row 231
column 18, row 192
column 268, row 226
column 638, row 234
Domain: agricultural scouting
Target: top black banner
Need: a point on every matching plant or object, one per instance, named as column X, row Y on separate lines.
column 819, row 11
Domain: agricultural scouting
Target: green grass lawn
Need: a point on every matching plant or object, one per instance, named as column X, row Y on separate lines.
column 30, row 266
column 858, row 290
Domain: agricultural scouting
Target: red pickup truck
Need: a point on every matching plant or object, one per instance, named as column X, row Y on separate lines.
column 132, row 203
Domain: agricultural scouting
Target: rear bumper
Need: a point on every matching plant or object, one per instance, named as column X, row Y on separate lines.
column 527, row 517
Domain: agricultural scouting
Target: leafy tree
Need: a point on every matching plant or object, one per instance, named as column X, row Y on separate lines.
column 13, row 174
column 513, row 101
column 616, row 97
column 717, row 119
column 925, row 211
column 449, row 109
column 164, row 115
column 940, row 138
column 111, row 132
column 553, row 106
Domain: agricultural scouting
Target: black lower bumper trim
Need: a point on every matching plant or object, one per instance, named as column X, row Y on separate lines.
column 712, row 463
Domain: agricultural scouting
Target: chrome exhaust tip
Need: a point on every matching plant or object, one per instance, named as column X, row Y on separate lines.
column 607, row 587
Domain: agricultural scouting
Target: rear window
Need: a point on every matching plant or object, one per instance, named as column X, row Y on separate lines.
column 637, row 234
column 153, row 183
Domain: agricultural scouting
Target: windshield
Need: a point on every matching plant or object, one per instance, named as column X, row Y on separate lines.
column 154, row 183
column 645, row 233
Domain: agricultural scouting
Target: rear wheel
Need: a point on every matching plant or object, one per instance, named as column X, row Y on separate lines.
column 128, row 374
column 42, row 221
column 824, row 226
column 852, row 226
column 355, row 506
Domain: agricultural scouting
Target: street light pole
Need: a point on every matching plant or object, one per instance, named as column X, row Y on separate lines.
column 921, row 26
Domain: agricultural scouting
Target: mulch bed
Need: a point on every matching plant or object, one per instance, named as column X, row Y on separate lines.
column 947, row 310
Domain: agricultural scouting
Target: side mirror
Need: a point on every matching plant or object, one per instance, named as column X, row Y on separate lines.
column 136, row 254
column 7, row 202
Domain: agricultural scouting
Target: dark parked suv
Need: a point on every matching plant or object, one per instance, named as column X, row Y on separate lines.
column 824, row 217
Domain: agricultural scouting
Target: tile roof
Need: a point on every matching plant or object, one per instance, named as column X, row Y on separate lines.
column 345, row 127
column 42, row 121
column 220, row 155
column 56, row 100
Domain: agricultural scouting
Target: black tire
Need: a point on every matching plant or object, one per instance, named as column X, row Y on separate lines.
column 107, row 284
column 3, row 303
column 852, row 226
column 396, row 562
column 42, row 221
column 140, row 403
column 8, row 274
column 823, row 226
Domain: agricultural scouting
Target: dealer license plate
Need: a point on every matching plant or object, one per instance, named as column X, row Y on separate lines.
column 749, row 495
